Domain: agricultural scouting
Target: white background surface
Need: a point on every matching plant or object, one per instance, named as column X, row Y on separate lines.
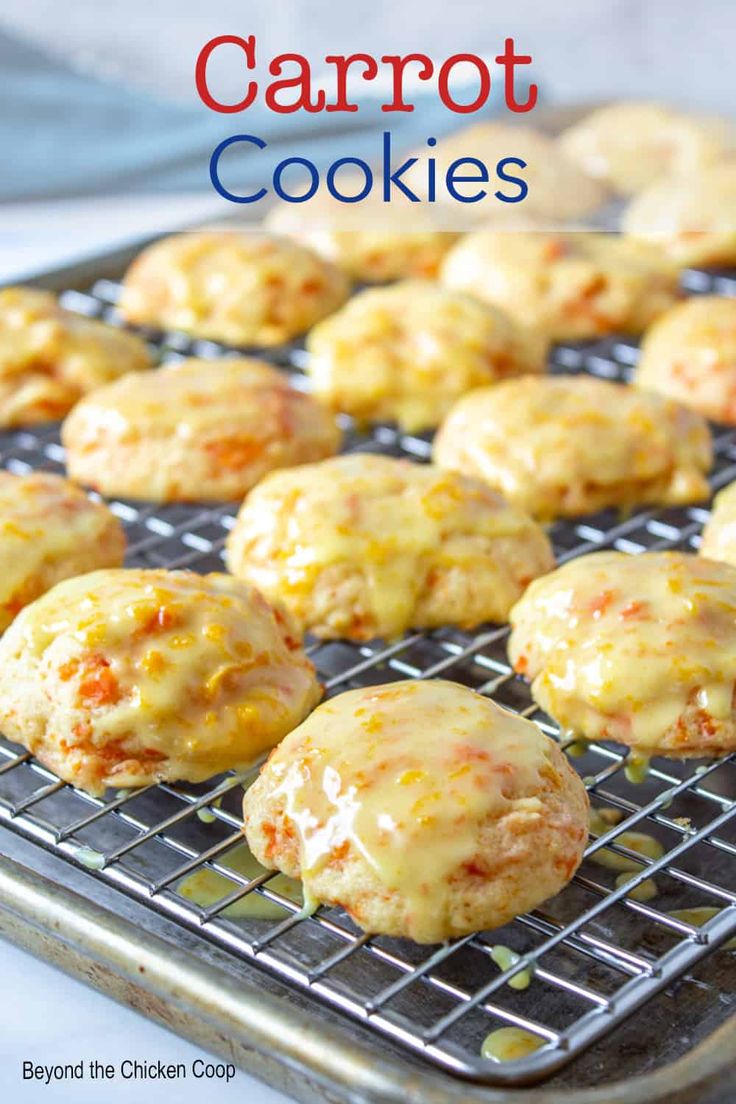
column 50, row 1018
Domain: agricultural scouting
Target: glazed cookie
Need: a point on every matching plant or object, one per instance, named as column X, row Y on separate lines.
column 630, row 145
column 198, row 430
column 422, row 809
column 49, row 530
column 719, row 534
column 690, row 355
column 376, row 247
column 690, row 219
column 123, row 678
column 406, row 352
column 559, row 190
column 364, row 546
column 238, row 287
column 50, row 357
column 569, row 286
column 560, row 446
column 637, row 649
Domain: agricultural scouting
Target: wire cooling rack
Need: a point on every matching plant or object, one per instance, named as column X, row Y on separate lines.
column 596, row 954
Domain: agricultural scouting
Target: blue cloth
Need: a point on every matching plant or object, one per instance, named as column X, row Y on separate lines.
column 65, row 134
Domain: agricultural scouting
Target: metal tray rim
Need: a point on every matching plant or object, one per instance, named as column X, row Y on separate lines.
column 237, row 1020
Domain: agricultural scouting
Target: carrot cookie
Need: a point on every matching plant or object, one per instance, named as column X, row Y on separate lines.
column 364, row 546
column 630, row 145
column 690, row 355
column 558, row 189
column 637, row 649
column 241, row 288
column 560, row 446
column 690, row 219
column 719, row 534
column 123, row 678
column 197, row 430
column 371, row 245
column 406, row 352
column 49, row 530
column 422, row 809
column 569, row 286
column 50, row 357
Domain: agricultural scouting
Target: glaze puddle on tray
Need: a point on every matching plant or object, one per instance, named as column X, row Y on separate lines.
column 507, row 1044
column 206, row 887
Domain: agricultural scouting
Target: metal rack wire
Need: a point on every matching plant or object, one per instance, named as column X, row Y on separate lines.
column 596, row 953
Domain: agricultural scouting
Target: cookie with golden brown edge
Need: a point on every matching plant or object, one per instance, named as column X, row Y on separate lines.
column 373, row 245
column 50, row 357
column 690, row 219
column 689, row 354
column 569, row 286
column 197, row 430
column 638, row 649
column 404, row 353
column 126, row 677
column 629, row 146
column 239, row 287
column 50, row 530
column 421, row 808
column 362, row 546
column 560, row 446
